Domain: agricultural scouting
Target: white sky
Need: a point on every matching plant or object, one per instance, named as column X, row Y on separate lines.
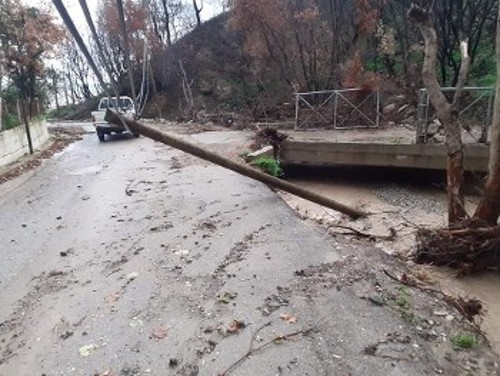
column 74, row 10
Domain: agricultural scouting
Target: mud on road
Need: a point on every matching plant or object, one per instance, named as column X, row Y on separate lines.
column 129, row 258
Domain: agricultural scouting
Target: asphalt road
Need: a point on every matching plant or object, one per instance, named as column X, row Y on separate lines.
column 127, row 258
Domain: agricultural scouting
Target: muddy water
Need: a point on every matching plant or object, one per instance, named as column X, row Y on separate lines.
column 402, row 206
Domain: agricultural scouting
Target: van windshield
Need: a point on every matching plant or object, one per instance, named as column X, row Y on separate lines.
column 125, row 103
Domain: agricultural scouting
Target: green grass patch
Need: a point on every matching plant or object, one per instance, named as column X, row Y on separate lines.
column 463, row 341
column 268, row 165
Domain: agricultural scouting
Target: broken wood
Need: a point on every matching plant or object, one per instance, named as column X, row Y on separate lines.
column 361, row 234
column 200, row 152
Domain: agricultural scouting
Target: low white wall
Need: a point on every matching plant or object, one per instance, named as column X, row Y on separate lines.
column 14, row 143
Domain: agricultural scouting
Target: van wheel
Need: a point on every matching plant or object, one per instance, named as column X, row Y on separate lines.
column 101, row 136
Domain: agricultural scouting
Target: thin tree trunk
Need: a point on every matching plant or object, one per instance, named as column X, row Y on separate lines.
column 78, row 39
column 24, row 114
column 197, row 11
column 167, row 22
column 243, row 169
column 489, row 207
column 126, row 49
column 446, row 114
column 103, row 53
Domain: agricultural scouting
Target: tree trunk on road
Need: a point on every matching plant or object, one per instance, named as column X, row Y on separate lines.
column 243, row 169
column 446, row 112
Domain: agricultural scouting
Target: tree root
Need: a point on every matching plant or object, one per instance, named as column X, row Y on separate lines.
column 469, row 250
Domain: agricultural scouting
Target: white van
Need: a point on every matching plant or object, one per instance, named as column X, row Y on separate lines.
column 124, row 105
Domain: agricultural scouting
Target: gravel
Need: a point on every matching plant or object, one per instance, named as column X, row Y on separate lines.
column 409, row 199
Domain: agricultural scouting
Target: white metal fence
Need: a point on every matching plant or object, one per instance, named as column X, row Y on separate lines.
column 337, row 109
column 475, row 115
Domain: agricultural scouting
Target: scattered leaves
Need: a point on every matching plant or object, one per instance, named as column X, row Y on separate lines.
column 159, row 333
column 112, row 298
column 235, row 326
column 288, row 318
column 226, row 297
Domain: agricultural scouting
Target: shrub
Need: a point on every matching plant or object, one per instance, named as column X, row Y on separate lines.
column 269, row 165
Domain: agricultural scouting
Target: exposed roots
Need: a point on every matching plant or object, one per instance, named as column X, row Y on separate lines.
column 469, row 308
column 469, row 249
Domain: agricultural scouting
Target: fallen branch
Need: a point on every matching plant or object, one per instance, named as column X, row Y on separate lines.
column 128, row 189
column 200, row 152
column 361, row 234
column 253, row 350
column 469, row 308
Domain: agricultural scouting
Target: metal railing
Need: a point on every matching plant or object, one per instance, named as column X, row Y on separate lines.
column 337, row 109
column 476, row 112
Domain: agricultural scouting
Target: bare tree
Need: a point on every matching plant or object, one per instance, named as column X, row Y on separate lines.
column 446, row 112
column 78, row 39
column 168, row 25
column 126, row 48
column 197, row 11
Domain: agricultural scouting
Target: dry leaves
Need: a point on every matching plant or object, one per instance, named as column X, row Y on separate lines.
column 288, row 318
column 159, row 333
column 235, row 326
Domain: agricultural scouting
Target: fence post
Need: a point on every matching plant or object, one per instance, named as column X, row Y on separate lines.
column 297, row 111
column 335, row 99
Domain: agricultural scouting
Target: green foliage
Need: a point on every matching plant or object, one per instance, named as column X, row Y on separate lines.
column 9, row 121
column 463, row 341
column 269, row 165
column 62, row 113
column 483, row 71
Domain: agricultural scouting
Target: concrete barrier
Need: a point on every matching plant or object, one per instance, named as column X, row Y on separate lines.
column 14, row 143
column 323, row 153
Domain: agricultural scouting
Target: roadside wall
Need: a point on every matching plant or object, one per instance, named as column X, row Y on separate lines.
column 14, row 143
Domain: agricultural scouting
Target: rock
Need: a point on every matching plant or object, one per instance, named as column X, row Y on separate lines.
column 131, row 276
column 87, row 349
column 63, row 253
column 390, row 108
column 433, row 128
column 376, row 300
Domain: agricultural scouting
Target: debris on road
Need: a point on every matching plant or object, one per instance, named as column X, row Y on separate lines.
column 235, row 326
column 159, row 333
column 132, row 276
column 86, row 350
column 226, row 297
column 288, row 318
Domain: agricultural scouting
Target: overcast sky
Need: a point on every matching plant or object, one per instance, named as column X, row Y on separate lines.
column 73, row 7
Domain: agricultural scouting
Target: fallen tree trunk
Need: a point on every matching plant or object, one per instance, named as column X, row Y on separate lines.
column 175, row 142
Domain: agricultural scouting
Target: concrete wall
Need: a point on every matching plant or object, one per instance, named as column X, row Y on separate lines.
column 14, row 143
column 426, row 156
